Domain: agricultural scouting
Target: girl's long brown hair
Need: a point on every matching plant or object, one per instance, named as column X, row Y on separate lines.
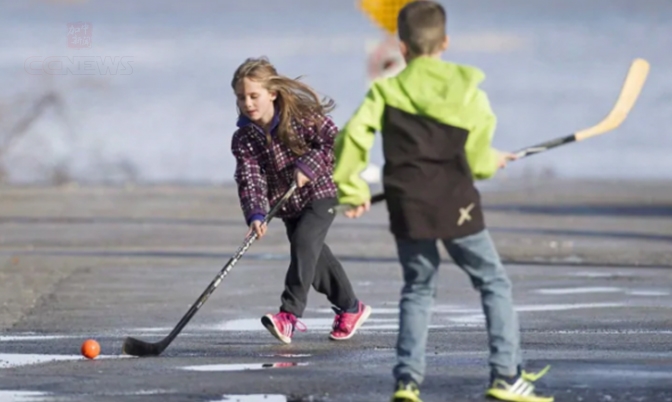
column 295, row 100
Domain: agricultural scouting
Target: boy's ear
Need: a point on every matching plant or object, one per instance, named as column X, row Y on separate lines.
column 403, row 49
column 446, row 42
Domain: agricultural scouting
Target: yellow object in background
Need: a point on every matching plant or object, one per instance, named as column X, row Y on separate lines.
column 383, row 12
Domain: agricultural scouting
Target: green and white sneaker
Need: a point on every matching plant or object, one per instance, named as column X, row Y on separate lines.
column 407, row 390
column 519, row 388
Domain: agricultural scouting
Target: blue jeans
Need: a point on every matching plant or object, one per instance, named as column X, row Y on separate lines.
column 477, row 256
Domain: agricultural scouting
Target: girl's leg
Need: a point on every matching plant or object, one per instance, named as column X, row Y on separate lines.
column 306, row 236
column 313, row 264
column 332, row 281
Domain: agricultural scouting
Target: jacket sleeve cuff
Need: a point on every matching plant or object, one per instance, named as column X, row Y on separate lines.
column 305, row 169
column 255, row 216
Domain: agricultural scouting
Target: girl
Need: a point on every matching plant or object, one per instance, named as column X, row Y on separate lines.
column 284, row 135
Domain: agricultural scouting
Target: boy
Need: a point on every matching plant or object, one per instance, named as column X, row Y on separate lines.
column 437, row 129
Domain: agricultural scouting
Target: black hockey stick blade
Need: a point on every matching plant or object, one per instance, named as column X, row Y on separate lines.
column 632, row 87
column 137, row 347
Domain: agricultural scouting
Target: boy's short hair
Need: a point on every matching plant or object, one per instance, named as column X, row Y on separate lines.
column 422, row 27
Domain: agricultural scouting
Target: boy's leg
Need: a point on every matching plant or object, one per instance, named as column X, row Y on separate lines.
column 477, row 256
column 419, row 261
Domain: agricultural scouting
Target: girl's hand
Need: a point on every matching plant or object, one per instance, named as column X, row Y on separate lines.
column 301, row 179
column 258, row 227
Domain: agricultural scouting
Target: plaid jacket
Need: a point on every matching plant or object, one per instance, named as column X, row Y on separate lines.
column 264, row 173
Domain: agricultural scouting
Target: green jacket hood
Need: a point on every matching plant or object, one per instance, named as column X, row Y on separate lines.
column 436, row 88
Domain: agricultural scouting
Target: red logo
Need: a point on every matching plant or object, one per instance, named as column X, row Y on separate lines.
column 79, row 35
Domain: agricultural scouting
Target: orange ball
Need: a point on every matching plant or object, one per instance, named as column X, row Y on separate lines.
column 90, row 349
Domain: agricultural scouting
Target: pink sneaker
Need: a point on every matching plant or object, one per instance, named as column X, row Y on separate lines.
column 282, row 325
column 346, row 324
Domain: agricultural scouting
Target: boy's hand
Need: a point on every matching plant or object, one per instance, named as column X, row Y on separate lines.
column 259, row 227
column 301, row 179
column 358, row 211
column 503, row 158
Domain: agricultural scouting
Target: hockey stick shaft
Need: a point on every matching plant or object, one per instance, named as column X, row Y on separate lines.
column 632, row 87
column 139, row 348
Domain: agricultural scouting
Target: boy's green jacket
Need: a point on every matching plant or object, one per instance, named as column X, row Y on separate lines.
column 437, row 128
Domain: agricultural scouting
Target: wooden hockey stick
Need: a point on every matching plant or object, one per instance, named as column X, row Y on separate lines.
column 634, row 81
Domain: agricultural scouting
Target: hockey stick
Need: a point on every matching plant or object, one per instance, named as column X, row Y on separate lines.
column 632, row 86
column 136, row 347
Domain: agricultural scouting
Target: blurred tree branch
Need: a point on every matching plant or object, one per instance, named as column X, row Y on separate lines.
column 22, row 127
column 19, row 115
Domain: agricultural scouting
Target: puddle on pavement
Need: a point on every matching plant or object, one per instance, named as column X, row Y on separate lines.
column 645, row 292
column 243, row 367
column 612, row 332
column 448, row 315
column 21, row 396
column 439, row 308
column 253, row 324
column 150, row 330
column 475, row 319
column 13, row 360
column 17, row 360
column 566, row 307
column 571, row 291
column 253, row 398
column 587, row 274
column 145, row 392
column 597, row 289
column 15, row 338
column 635, row 373
column 452, row 315
column 31, row 396
column 287, row 355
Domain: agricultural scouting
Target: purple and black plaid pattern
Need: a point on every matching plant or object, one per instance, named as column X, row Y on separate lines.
column 264, row 173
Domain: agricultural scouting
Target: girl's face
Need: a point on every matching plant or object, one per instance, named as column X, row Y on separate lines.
column 255, row 101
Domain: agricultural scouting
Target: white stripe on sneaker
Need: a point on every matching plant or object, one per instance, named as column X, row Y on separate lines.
column 521, row 387
column 517, row 386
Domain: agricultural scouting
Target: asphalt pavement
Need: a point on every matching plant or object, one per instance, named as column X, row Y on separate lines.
column 591, row 278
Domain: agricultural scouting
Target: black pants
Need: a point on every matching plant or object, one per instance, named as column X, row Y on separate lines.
column 312, row 262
